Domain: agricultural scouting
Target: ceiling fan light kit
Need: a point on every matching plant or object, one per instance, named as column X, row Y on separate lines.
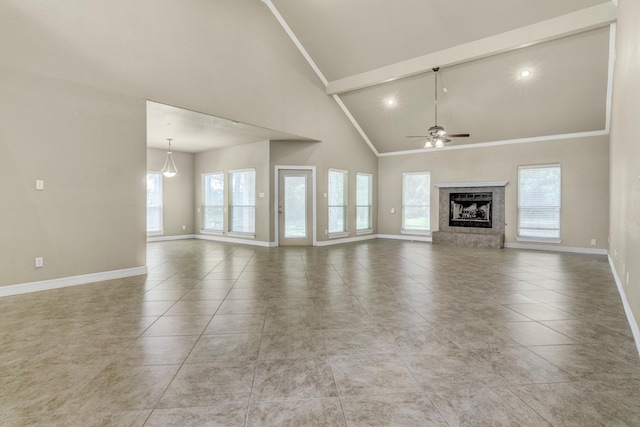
column 435, row 134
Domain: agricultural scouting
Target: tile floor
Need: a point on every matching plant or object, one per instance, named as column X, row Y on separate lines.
column 378, row 333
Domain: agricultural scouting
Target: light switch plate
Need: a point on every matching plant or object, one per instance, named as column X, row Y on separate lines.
column 39, row 184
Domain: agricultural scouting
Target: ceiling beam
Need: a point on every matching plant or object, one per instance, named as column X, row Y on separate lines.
column 551, row 29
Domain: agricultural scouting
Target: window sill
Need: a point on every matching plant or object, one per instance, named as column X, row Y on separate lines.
column 538, row 239
column 367, row 231
column 155, row 233
column 338, row 235
column 241, row 235
column 417, row 232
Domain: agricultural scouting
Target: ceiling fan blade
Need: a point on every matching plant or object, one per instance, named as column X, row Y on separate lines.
column 418, row 136
column 458, row 135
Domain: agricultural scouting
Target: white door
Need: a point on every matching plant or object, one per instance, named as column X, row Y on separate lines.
column 294, row 207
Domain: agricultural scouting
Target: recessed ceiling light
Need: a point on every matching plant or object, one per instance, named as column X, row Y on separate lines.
column 525, row 73
column 390, row 102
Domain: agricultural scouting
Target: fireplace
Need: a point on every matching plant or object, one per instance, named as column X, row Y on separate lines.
column 471, row 214
column 470, row 209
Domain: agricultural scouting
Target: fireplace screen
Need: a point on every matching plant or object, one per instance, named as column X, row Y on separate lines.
column 470, row 209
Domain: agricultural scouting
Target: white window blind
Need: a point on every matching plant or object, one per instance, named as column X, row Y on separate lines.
column 416, row 193
column 539, row 199
column 337, row 201
column 213, row 202
column 363, row 201
column 154, row 203
column 242, row 203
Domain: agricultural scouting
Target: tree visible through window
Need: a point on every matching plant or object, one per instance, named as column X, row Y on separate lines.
column 213, row 202
column 154, row 202
column 337, row 201
column 363, row 201
column 539, row 191
column 415, row 202
column 242, row 203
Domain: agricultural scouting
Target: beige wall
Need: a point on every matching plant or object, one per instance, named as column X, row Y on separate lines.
column 624, row 248
column 247, row 156
column 228, row 58
column 177, row 192
column 585, row 177
column 101, row 61
column 88, row 145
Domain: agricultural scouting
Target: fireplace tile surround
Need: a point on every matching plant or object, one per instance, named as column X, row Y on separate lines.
column 471, row 234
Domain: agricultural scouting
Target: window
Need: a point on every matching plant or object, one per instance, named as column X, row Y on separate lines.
column 416, row 217
column 337, row 201
column 363, row 201
column 242, row 201
column 539, row 202
column 154, row 203
column 213, row 202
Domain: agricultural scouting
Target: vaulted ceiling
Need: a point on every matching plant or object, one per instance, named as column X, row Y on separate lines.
column 368, row 52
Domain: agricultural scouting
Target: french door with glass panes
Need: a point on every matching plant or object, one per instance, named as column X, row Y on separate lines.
column 295, row 207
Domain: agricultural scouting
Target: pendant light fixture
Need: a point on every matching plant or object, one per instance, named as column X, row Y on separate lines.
column 169, row 169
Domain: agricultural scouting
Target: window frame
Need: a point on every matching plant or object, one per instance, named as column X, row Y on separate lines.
column 232, row 206
column 369, row 206
column 345, row 231
column 404, row 229
column 205, row 205
column 525, row 238
column 160, row 206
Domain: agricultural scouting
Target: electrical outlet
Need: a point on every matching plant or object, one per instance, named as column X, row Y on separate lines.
column 593, row 242
column 184, row 227
column 39, row 262
column 326, row 232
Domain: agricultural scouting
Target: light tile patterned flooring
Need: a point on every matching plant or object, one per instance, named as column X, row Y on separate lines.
column 377, row 333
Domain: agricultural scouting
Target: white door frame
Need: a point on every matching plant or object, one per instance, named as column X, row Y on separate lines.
column 276, row 197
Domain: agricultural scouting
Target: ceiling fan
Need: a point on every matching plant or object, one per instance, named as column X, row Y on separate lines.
column 436, row 134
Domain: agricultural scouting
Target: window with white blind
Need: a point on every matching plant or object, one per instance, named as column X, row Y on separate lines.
column 416, row 193
column 213, row 202
column 363, row 201
column 242, row 201
column 154, row 203
column 539, row 202
column 337, row 195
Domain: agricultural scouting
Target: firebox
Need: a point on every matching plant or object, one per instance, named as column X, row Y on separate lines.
column 470, row 209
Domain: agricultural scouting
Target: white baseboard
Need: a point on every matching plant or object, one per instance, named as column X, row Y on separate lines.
column 405, row 237
column 166, row 238
column 556, row 248
column 223, row 239
column 627, row 308
column 347, row 240
column 63, row 282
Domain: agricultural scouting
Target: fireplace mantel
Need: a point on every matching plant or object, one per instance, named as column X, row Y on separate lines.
column 471, row 184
